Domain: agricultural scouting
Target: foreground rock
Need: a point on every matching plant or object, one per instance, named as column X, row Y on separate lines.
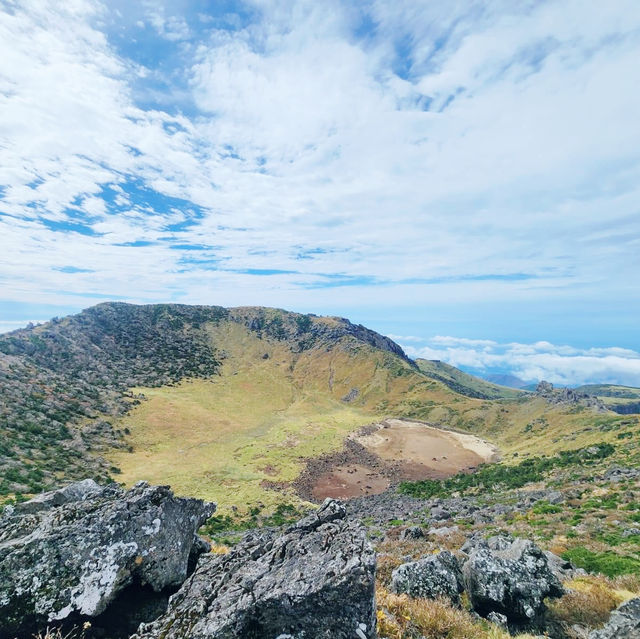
column 316, row 580
column 511, row 578
column 432, row 577
column 69, row 553
column 624, row 623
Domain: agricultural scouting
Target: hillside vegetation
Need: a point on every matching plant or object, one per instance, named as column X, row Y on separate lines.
column 463, row 383
column 620, row 399
column 229, row 404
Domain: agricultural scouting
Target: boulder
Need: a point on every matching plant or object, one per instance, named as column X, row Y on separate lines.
column 562, row 568
column 511, row 578
column 432, row 577
column 315, row 580
column 624, row 623
column 412, row 533
column 69, row 553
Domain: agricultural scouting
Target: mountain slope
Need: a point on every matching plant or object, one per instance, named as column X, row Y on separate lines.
column 511, row 381
column 229, row 403
column 64, row 383
column 463, row 383
column 620, row 399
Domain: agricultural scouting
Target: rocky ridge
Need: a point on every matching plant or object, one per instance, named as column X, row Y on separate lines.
column 64, row 382
column 93, row 553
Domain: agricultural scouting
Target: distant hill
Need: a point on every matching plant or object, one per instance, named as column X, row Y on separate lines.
column 624, row 400
column 463, row 383
column 511, row 381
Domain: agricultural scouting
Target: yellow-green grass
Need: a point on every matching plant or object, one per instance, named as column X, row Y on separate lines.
column 221, row 438
column 271, row 408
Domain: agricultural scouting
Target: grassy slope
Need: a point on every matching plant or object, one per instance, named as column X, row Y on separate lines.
column 464, row 383
column 220, row 438
column 610, row 390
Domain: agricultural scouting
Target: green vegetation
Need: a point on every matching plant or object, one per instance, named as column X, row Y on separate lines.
column 465, row 384
column 283, row 514
column 620, row 399
column 608, row 562
column 488, row 477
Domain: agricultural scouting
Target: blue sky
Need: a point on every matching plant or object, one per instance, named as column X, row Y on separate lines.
column 460, row 169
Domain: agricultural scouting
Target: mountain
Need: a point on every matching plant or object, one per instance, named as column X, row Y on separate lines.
column 239, row 405
column 506, row 379
column 65, row 384
column 265, row 410
column 463, row 383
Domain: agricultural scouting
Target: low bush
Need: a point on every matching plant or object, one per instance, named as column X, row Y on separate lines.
column 487, row 477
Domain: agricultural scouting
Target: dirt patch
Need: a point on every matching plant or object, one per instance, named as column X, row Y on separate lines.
column 344, row 482
column 270, row 470
column 383, row 454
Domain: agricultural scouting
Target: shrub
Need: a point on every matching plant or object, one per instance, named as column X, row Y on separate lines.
column 588, row 601
column 487, row 477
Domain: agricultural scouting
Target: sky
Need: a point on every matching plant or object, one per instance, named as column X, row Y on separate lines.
column 464, row 176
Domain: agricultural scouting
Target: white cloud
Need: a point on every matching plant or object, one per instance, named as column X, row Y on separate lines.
column 541, row 360
column 307, row 138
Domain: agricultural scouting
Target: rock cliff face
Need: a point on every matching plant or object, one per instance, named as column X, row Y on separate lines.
column 69, row 553
column 314, row 581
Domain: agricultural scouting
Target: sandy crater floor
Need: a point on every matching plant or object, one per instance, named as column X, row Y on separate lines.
column 394, row 450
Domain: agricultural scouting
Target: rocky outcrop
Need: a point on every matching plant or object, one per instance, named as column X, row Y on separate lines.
column 569, row 396
column 510, row 577
column 69, row 553
column 618, row 473
column 315, row 580
column 624, row 623
column 432, row 577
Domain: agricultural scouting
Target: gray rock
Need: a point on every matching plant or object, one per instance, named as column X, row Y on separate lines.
column 498, row 619
column 314, row 581
column 434, row 576
column 512, row 580
column 413, row 532
column 624, row 623
column 631, row 532
column 618, row 473
column 440, row 513
column 78, row 491
column 444, row 531
column 72, row 551
column 562, row 568
column 556, row 497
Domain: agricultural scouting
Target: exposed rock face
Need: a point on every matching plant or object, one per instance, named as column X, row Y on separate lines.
column 511, row 578
column 624, row 623
column 70, row 552
column 568, row 396
column 314, row 581
column 434, row 576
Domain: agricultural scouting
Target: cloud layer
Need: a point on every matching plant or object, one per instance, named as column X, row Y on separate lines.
column 321, row 156
column 563, row 365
